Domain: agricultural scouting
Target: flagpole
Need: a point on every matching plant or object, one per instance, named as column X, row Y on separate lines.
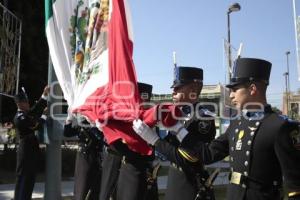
column 53, row 147
column 240, row 51
column 296, row 38
column 174, row 59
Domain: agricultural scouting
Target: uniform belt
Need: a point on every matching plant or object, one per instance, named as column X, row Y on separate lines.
column 137, row 161
column 176, row 166
column 236, row 178
column 247, row 182
column 113, row 152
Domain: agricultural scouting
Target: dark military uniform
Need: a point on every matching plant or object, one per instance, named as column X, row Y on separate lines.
column 110, row 172
column 126, row 173
column 112, row 162
column 28, row 151
column 261, row 152
column 132, row 179
column 262, row 146
column 88, row 161
column 186, row 174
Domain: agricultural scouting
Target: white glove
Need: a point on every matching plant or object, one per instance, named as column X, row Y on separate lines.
column 69, row 117
column 99, row 125
column 46, row 92
column 144, row 131
column 179, row 130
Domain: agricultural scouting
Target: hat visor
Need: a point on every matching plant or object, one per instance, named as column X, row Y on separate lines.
column 21, row 101
column 175, row 85
column 233, row 84
column 182, row 83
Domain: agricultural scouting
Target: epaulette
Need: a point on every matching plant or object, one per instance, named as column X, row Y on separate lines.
column 20, row 116
column 286, row 118
column 187, row 155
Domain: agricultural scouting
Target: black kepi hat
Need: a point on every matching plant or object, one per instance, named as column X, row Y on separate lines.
column 21, row 96
column 185, row 75
column 145, row 90
column 249, row 70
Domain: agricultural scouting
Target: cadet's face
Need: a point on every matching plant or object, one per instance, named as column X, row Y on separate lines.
column 184, row 93
column 23, row 106
column 239, row 96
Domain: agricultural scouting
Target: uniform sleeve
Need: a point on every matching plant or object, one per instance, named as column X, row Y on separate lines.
column 25, row 122
column 192, row 151
column 287, row 148
column 213, row 130
column 38, row 108
column 175, row 154
column 70, row 131
column 208, row 153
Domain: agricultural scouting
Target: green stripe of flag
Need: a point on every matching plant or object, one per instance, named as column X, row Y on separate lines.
column 48, row 10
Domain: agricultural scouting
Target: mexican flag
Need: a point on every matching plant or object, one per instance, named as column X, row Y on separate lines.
column 58, row 14
column 91, row 46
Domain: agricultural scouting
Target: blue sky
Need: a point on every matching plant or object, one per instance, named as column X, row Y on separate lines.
column 195, row 29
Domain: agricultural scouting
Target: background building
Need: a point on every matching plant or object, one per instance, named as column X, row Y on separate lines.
column 291, row 105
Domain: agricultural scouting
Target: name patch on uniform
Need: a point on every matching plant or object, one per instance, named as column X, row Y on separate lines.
column 295, row 135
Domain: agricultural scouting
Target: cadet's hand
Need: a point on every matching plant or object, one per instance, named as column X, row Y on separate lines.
column 179, row 130
column 69, row 117
column 46, row 90
column 45, row 111
column 144, row 131
column 44, row 114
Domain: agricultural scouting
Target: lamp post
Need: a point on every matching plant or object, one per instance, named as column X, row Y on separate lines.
column 286, row 92
column 232, row 8
column 287, row 82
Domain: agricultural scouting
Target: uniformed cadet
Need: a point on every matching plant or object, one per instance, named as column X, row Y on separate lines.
column 263, row 147
column 135, row 180
column 26, row 121
column 187, row 176
column 88, row 159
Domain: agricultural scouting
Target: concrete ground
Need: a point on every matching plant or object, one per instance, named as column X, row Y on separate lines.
column 7, row 190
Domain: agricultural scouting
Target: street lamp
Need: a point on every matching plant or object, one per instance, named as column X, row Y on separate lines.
column 286, row 92
column 287, row 82
column 233, row 8
column 288, row 70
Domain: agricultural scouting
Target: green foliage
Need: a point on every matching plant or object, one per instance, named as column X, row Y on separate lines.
column 277, row 110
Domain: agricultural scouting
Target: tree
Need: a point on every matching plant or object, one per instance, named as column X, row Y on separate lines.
column 277, row 110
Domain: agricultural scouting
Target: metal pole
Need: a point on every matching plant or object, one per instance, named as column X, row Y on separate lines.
column 287, row 82
column 19, row 58
column 53, row 150
column 229, row 46
column 296, row 38
column 288, row 70
column 286, row 93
